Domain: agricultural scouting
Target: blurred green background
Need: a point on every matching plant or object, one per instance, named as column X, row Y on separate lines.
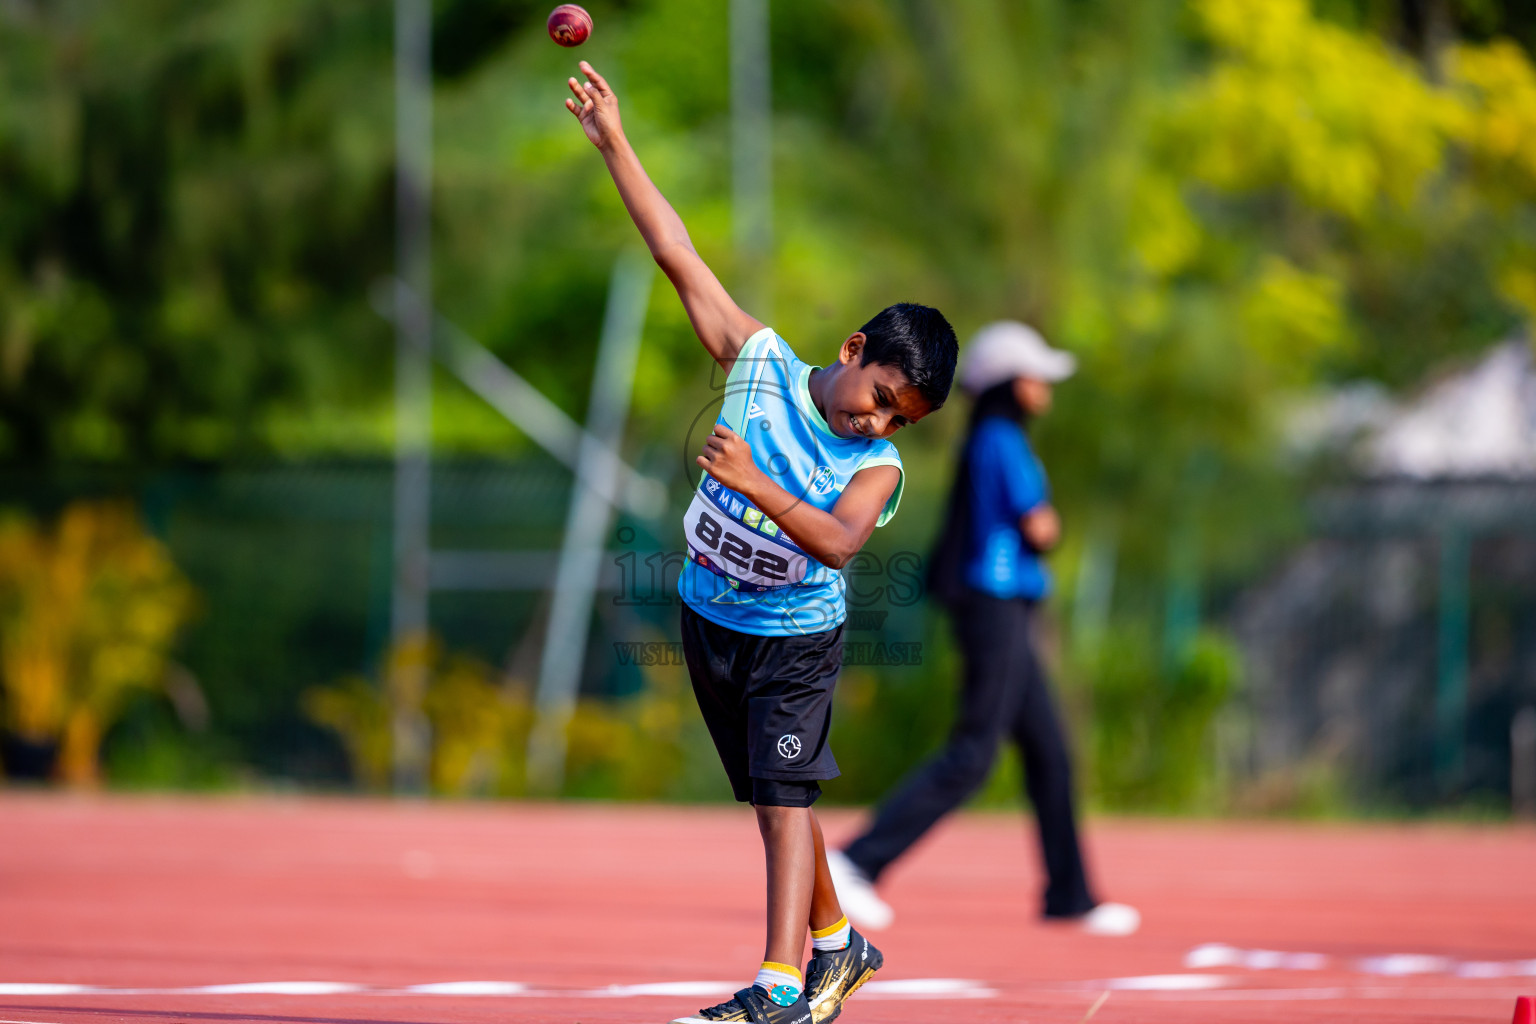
column 1230, row 210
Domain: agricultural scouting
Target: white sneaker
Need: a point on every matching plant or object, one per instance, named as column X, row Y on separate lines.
column 856, row 893
column 1109, row 919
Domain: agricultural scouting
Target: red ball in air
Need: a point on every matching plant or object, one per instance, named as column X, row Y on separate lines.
column 569, row 25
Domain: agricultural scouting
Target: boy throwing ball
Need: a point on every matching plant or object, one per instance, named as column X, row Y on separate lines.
column 798, row 472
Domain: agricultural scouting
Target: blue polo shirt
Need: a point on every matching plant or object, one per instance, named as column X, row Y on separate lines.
column 1006, row 481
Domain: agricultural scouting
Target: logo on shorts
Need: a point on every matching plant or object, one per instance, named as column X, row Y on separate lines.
column 789, row 746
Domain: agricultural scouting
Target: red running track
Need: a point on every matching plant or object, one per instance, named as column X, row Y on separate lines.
column 145, row 902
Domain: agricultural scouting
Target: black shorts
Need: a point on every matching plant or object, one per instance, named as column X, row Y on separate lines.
column 767, row 701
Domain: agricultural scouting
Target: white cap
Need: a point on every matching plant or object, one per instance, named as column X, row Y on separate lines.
column 1007, row 349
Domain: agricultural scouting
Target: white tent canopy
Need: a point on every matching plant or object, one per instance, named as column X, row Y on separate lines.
column 1479, row 422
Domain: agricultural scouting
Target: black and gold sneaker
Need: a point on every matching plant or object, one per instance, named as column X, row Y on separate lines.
column 834, row 975
column 754, row 1005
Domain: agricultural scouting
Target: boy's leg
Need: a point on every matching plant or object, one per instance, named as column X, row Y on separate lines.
column 789, row 707
column 791, row 859
column 842, row 960
column 757, row 722
column 826, row 911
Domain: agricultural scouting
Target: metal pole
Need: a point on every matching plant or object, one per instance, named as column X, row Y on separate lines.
column 407, row 670
column 1522, row 763
column 752, row 152
column 586, row 525
column 1181, row 613
column 1094, row 595
column 1451, row 677
column 526, row 408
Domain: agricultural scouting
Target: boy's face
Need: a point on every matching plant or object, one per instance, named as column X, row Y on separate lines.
column 873, row 400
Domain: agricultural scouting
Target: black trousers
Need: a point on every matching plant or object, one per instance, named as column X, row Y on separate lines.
column 1004, row 694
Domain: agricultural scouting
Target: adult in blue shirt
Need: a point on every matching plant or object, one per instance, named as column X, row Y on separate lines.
column 987, row 569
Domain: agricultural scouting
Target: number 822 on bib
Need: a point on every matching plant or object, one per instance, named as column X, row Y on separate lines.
column 728, row 547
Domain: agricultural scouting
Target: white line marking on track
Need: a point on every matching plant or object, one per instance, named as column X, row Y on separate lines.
column 1271, row 993
column 1342, row 992
column 279, row 988
column 1399, row 965
column 1392, row 965
column 1217, row 954
column 1155, row 986
column 1496, row 969
column 927, row 988
column 1162, row 983
column 27, row 1022
column 467, row 988
column 905, row 988
column 659, row 988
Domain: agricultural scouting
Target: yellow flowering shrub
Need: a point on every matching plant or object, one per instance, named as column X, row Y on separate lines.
column 478, row 725
column 628, row 748
column 631, row 748
column 1296, row 102
column 1347, row 144
column 1291, row 317
column 1496, row 86
column 88, row 612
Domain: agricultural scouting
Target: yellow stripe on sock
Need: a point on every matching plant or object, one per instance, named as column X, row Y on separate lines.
column 821, row 933
column 769, row 965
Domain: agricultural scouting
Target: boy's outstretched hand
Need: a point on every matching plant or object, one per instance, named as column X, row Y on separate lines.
column 596, row 107
column 717, row 320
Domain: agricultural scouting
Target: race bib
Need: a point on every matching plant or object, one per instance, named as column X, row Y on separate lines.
column 729, row 537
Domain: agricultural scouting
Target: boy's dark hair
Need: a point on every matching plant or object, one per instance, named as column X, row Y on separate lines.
column 919, row 342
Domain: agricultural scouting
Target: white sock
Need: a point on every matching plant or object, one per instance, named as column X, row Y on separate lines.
column 781, row 981
column 832, row 937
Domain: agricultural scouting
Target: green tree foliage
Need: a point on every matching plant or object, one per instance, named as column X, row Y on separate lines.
column 197, row 199
column 193, row 199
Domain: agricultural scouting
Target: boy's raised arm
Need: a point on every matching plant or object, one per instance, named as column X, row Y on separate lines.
column 721, row 325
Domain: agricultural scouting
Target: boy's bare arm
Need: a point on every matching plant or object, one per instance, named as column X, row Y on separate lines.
column 832, row 538
column 721, row 325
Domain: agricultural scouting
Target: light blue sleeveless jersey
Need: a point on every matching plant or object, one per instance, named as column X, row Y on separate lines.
column 742, row 572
